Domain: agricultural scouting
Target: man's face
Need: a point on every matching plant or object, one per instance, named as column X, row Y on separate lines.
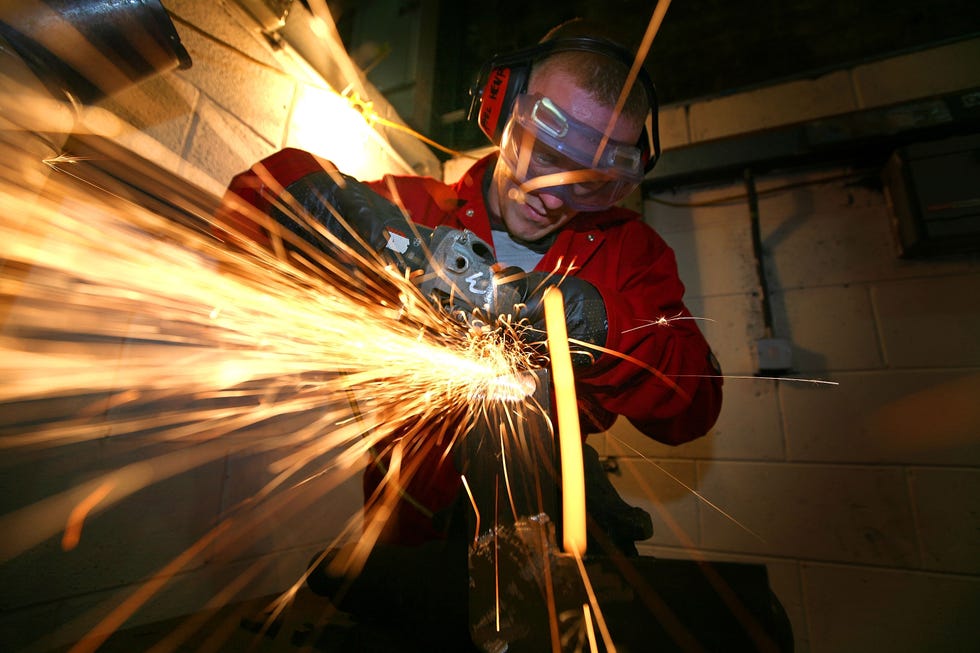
column 534, row 215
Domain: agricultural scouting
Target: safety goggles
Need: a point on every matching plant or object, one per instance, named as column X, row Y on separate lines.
column 548, row 151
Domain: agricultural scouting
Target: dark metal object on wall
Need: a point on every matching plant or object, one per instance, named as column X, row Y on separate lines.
column 93, row 49
column 933, row 195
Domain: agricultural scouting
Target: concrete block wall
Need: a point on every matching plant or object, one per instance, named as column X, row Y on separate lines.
column 860, row 498
column 872, row 85
column 244, row 98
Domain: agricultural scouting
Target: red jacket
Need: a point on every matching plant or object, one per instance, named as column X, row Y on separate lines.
column 673, row 395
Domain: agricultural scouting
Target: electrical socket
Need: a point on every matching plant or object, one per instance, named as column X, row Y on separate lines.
column 774, row 355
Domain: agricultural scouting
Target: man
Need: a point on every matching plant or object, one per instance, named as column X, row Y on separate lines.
column 572, row 230
column 545, row 202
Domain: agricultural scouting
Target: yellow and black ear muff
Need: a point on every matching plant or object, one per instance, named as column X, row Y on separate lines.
column 504, row 77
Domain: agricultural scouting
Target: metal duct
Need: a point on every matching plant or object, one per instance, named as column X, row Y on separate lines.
column 92, row 49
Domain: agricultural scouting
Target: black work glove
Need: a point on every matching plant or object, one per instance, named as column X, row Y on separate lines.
column 619, row 523
column 585, row 314
column 371, row 220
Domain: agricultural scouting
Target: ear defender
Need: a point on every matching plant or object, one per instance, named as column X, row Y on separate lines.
column 504, row 77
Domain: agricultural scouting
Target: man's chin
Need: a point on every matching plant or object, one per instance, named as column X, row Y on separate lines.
column 528, row 231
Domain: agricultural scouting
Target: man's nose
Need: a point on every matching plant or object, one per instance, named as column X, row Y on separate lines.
column 551, row 202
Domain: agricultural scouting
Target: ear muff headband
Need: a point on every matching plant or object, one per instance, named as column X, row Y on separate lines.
column 505, row 77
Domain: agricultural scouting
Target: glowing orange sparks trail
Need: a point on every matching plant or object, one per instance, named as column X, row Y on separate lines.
column 73, row 531
column 569, row 432
column 589, row 629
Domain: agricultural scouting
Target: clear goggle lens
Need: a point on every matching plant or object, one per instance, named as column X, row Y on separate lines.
column 550, row 152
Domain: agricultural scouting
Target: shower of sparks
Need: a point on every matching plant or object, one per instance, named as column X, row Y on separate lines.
column 119, row 324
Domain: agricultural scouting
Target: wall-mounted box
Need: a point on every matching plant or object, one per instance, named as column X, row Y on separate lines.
column 933, row 190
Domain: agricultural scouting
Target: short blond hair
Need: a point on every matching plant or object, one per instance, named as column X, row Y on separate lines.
column 602, row 76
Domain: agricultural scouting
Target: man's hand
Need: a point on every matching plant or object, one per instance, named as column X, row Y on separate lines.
column 356, row 216
column 585, row 314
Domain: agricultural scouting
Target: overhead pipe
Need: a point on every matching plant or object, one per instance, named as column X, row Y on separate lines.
column 90, row 50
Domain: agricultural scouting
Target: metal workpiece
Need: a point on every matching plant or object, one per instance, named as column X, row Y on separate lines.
column 459, row 271
column 460, row 263
column 511, row 473
column 525, row 595
column 515, row 568
column 88, row 50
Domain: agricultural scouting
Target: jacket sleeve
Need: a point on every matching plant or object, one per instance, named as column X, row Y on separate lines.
column 244, row 213
column 663, row 377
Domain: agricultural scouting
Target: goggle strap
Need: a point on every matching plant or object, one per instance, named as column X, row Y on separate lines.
column 524, row 152
column 563, row 178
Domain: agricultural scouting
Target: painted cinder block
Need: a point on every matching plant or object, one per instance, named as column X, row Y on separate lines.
column 854, row 609
column 673, row 126
column 59, row 624
column 749, row 428
column 347, row 144
column 931, row 322
column 30, row 629
column 658, row 487
column 34, row 561
column 772, row 106
column 258, row 95
column 453, row 169
column 127, row 542
column 162, row 108
column 731, row 324
column 830, row 328
column 948, row 518
column 227, row 22
column 920, row 74
column 684, row 209
column 818, row 512
column 919, row 417
column 816, row 192
column 834, row 234
column 223, row 145
column 848, row 246
column 715, row 260
column 316, row 505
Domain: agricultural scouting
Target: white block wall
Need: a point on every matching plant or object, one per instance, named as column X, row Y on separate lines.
column 863, row 499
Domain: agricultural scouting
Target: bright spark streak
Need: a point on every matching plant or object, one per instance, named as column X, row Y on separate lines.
column 589, row 629
column 202, row 324
column 569, row 432
column 73, row 531
column 594, row 602
column 476, row 509
column 663, row 321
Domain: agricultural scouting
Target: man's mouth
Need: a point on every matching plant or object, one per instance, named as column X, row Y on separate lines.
column 536, row 215
column 533, row 208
